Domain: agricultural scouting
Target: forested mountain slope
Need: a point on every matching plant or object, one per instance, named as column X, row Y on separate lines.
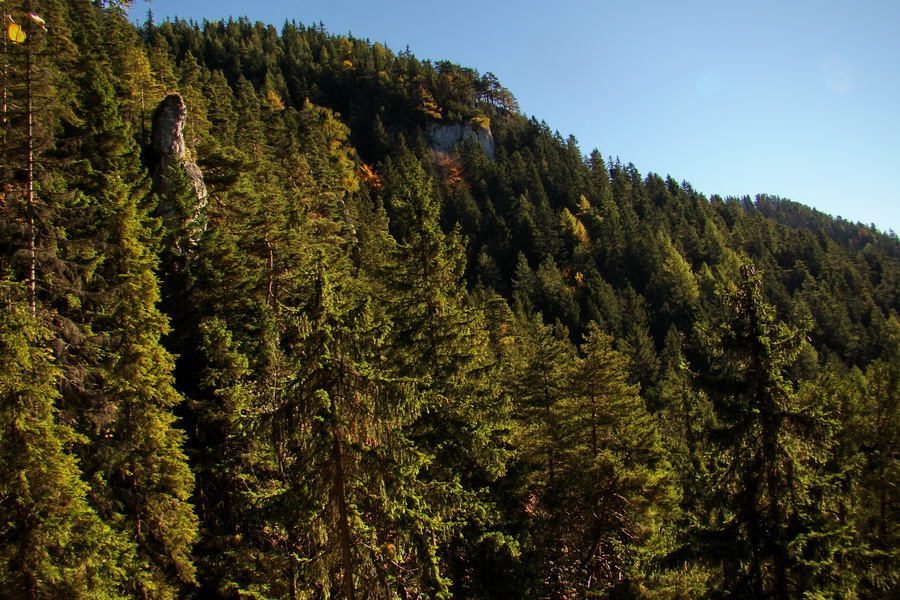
column 290, row 315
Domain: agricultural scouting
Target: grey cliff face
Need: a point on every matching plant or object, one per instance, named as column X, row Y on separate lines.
column 168, row 127
column 168, row 164
column 444, row 136
column 170, row 150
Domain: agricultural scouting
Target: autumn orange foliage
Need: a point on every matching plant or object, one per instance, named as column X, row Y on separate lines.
column 368, row 175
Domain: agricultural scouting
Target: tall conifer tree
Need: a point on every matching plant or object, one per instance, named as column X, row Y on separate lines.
column 763, row 435
column 52, row 543
column 440, row 337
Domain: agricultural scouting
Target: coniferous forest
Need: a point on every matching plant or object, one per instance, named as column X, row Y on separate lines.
column 288, row 314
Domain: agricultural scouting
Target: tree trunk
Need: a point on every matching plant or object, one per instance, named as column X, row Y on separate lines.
column 29, row 177
column 343, row 517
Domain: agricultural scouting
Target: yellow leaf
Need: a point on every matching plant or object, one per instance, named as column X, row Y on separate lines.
column 15, row 33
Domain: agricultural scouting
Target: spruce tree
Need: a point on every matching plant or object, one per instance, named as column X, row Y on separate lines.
column 763, row 437
column 615, row 495
column 119, row 377
column 439, row 337
column 92, row 281
column 878, row 511
column 354, row 517
column 52, row 543
column 540, row 382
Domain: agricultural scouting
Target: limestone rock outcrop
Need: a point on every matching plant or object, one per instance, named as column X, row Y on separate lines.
column 167, row 135
column 169, row 162
column 445, row 136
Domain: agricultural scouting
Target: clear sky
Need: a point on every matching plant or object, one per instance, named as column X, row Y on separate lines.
column 793, row 98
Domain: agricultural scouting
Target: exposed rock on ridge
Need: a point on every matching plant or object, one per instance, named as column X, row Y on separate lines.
column 444, row 136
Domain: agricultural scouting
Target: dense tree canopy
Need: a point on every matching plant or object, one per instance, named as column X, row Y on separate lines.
column 367, row 331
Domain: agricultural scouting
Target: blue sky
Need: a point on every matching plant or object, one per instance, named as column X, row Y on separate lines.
column 794, row 98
